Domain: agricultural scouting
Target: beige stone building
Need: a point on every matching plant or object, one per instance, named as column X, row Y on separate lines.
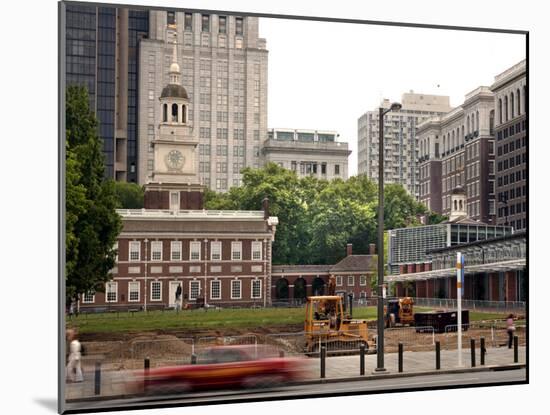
column 307, row 152
column 511, row 103
column 224, row 71
column 401, row 144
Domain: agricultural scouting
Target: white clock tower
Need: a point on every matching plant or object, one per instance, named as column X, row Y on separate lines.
column 175, row 184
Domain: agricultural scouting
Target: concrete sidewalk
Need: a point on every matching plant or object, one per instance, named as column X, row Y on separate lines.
column 114, row 383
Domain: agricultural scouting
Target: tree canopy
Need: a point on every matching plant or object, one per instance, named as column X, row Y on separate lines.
column 317, row 218
column 92, row 224
column 129, row 195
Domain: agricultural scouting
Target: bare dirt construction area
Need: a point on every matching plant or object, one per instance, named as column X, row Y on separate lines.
column 166, row 347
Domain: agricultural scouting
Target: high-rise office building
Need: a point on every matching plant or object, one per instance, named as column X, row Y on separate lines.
column 102, row 54
column 401, row 145
column 224, row 71
column 510, row 89
column 307, row 152
column 457, row 149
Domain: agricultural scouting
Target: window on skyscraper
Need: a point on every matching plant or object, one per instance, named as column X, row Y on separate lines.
column 222, row 28
column 205, row 23
column 238, row 25
column 171, row 18
column 188, row 21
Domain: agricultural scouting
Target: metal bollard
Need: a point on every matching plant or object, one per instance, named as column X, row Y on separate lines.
column 97, row 378
column 483, row 350
column 516, row 351
column 473, row 351
column 323, row 356
column 146, row 366
column 437, row 355
column 193, row 359
column 362, row 359
column 400, row 358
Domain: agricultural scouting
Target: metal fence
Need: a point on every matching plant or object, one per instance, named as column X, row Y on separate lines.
column 110, row 354
column 413, row 338
column 207, row 342
column 161, row 352
column 494, row 333
column 449, row 303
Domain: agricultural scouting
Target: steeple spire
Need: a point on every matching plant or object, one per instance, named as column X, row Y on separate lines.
column 174, row 67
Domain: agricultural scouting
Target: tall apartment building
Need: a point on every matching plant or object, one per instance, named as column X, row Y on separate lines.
column 457, row 149
column 510, row 89
column 307, row 152
column 102, row 46
column 401, row 145
column 224, row 71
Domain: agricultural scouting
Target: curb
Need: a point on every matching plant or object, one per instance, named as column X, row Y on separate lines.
column 371, row 377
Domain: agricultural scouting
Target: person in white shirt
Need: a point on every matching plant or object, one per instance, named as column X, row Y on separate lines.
column 74, row 369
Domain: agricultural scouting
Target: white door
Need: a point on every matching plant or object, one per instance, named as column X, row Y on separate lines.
column 174, row 201
column 172, row 293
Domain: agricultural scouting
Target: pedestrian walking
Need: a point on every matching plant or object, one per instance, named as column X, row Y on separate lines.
column 510, row 328
column 74, row 368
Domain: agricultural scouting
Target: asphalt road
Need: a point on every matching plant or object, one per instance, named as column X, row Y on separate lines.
column 315, row 390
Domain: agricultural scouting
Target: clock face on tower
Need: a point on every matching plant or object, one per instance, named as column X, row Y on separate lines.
column 174, row 160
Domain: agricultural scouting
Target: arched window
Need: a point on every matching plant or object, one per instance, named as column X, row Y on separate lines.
column 174, row 112
column 525, row 99
column 453, row 144
column 462, row 132
column 458, row 139
column 505, row 108
column 300, row 289
column 456, row 206
column 518, row 101
column 468, row 124
column 500, row 111
column 318, row 286
column 448, row 141
column 165, row 113
column 281, row 289
column 477, row 120
column 183, row 114
column 460, row 203
column 512, row 105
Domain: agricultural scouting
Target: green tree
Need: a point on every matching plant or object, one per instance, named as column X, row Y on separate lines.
column 129, row 195
column 93, row 219
column 75, row 202
column 286, row 200
column 400, row 208
column 433, row 218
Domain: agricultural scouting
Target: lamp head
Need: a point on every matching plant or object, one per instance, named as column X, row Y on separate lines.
column 396, row 106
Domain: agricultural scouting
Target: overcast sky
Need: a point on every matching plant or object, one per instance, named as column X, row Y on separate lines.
column 326, row 75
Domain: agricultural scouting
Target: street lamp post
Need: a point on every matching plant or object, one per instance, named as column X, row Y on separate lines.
column 380, row 321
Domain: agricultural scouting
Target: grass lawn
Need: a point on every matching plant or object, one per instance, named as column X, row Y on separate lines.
column 216, row 319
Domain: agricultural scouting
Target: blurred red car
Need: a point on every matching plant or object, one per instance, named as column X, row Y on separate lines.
column 225, row 367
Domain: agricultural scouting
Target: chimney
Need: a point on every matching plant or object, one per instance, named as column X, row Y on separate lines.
column 349, row 249
column 265, row 207
column 372, row 249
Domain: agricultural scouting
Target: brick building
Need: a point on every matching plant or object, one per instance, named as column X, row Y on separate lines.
column 353, row 276
column 457, row 149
